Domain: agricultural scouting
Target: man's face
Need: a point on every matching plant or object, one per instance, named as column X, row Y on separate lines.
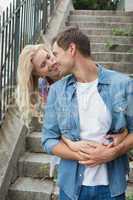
column 64, row 60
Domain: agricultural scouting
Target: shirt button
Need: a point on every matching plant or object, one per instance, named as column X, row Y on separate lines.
column 80, row 175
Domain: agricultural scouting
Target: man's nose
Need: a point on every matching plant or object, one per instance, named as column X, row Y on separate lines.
column 53, row 60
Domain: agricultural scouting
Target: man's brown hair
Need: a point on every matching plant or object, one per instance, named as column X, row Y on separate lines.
column 73, row 35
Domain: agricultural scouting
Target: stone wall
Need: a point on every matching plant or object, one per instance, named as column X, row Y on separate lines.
column 12, row 137
column 126, row 5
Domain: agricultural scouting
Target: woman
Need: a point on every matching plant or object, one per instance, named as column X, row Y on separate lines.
column 36, row 72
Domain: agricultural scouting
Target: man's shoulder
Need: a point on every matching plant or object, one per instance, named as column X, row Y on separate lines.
column 116, row 77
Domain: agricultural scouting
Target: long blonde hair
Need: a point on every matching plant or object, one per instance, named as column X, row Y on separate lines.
column 26, row 81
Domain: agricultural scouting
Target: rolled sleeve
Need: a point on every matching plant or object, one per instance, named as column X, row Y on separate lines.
column 50, row 130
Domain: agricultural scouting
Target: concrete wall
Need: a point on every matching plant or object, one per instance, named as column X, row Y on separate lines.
column 126, row 5
column 12, row 145
column 57, row 23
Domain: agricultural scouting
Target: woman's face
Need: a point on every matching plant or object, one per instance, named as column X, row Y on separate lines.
column 44, row 65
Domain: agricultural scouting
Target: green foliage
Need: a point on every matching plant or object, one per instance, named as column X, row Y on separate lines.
column 129, row 197
column 130, row 153
column 131, row 51
column 84, row 4
column 110, row 45
column 95, row 4
column 121, row 32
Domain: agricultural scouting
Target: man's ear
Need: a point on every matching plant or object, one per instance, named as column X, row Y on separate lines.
column 72, row 49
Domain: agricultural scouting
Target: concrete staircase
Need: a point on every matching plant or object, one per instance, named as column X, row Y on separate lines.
column 33, row 182
column 111, row 36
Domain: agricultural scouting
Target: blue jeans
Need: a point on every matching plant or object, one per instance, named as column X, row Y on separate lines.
column 93, row 193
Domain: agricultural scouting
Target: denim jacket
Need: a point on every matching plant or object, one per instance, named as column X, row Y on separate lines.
column 62, row 118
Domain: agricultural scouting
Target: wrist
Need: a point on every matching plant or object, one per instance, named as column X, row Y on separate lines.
column 78, row 156
column 119, row 150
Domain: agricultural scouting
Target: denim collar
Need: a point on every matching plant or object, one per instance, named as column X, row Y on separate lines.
column 102, row 77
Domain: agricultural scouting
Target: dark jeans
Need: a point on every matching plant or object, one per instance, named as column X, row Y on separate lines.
column 94, row 193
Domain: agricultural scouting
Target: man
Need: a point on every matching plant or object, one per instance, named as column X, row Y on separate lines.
column 88, row 104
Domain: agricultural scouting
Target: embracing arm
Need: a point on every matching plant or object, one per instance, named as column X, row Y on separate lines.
column 63, row 151
column 51, row 135
column 127, row 144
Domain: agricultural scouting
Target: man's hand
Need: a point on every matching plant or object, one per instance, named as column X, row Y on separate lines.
column 97, row 154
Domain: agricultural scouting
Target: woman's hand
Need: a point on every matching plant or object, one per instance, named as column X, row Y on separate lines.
column 78, row 145
column 96, row 155
column 117, row 138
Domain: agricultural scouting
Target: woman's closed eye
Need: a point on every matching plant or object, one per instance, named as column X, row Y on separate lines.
column 48, row 56
column 43, row 64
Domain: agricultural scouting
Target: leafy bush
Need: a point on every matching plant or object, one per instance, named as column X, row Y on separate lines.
column 84, row 4
column 121, row 32
column 95, row 4
column 130, row 197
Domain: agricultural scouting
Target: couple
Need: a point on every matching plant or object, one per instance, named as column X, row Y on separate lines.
column 82, row 109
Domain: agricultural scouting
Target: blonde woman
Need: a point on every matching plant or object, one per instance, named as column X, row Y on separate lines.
column 36, row 72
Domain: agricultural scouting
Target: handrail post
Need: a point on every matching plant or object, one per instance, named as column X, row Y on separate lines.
column 17, row 32
column 45, row 15
column 52, row 5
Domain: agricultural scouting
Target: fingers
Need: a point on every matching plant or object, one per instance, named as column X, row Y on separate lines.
column 110, row 145
column 86, row 150
column 90, row 163
column 84, row 155
column 93, row 144
column 109, row 136
column 85, row 145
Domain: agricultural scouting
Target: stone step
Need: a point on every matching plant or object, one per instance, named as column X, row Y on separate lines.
column 36, row 165
column 111, row 39
column 33, row 142
column 100, row 25
column 131, row 173
column 114, row 47
column 102, row 19
column 101, row 12
column 31, row 189
column 129, row 192
column 113, row 56
column 101, row 31
column 123, row 67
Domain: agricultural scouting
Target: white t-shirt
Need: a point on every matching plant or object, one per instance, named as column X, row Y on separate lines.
column 95, row 122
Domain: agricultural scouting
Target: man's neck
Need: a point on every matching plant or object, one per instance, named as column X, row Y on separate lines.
column 85, row 70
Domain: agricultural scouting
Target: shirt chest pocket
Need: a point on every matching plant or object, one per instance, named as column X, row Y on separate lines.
column 64, row 118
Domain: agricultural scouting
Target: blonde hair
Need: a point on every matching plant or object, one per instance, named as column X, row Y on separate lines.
column 26, row 82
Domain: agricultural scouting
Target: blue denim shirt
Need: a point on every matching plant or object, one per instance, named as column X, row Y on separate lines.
column 62, row 118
